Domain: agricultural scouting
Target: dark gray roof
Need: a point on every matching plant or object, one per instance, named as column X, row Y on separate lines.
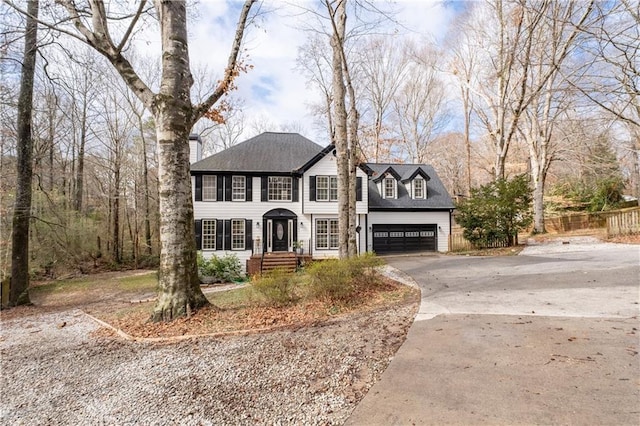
column 267, row 152
column 437, row 195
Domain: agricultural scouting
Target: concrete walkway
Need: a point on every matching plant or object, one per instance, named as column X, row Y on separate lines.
column 546, row 337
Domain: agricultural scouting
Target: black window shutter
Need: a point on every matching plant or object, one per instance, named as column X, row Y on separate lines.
column 294, row 189
column 198, row 193
column 227, row 188
column 220, row 188
column 249, row 186
column 312, row 188
column 264, row 188
column 248, row 238
column 358, row 188
column 198, row 234
column 227, row 235
column 219, row 233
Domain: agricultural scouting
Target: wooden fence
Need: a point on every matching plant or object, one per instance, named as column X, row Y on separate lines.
column 574, row 222
column 623, row 223
column 457, row 242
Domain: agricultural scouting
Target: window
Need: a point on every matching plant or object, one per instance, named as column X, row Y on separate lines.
column 279, row 188
column 237, row 234
column 238, row 188
column 418, row 188
column 326, row 188
column 327, row 236
column 389, row 188
column 209, row 188
column 333, row 188
column 208, row 234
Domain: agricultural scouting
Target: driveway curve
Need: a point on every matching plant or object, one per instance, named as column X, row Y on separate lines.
column 549, row 336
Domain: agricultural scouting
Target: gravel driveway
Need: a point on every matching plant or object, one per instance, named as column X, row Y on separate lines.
column 55, row 372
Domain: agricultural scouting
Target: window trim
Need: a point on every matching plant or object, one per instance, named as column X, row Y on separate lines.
column 288, row 186
column 330, row 188
column 209, row 236
column 422, row 188
column 243, row 193
column 213, row 178
column 394, row 188
column 236, row 234
column 328, row 234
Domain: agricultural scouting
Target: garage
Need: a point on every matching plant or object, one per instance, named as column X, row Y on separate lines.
column 399, row 238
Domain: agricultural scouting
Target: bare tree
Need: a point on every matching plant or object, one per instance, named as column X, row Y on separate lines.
column 174, row 114
column 19, row 294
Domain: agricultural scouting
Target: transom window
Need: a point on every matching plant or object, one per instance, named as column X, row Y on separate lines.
column 389, row 188
column 237, row 234
column 209, row 188
column 208, row 234
column 418, row 188
column 238, row 188
column 279, row 188
column 327, row 236
column 326, row 188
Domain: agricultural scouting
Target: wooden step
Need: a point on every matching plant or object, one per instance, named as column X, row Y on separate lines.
column 284, row 260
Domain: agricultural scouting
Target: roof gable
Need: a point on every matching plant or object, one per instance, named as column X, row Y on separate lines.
column 267, row 152
column 389, row 170
column 418, row 172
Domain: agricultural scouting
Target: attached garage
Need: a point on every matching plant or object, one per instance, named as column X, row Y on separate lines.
column 402, row 238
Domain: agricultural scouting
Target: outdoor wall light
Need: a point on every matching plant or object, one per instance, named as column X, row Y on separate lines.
column 257, row 224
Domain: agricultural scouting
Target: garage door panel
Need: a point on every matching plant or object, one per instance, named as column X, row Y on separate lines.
column 398, row 238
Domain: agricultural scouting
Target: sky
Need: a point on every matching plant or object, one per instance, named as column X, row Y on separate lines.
column 273, row 89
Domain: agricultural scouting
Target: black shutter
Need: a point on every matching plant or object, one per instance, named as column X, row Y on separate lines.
column 358, row 189
column 227, row 235
column 264, row 188
column 219, row 188
column 219, row 233
column 249, row 186
column 294, row 189
column 312, row 188
column 227, row 188
column 198, row 234
column 198, row 193
column 248, row 238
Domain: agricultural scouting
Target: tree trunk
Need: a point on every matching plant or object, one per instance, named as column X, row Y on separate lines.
column 179, row 286
column 18, row 293
column 341, row 137
column 80, row 170
column 147, row 208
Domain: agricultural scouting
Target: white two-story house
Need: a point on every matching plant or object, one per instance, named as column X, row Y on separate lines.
column 277, row 192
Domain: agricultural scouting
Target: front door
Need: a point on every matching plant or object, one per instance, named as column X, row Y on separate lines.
column 280, row 238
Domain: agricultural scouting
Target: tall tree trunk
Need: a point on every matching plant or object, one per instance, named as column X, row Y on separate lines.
column 116, row 254
column 179, row 285
column 80, row 170
column 147, row 207
column 340, row 140
column 18, row 293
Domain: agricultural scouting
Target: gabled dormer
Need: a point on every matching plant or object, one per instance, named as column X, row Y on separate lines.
column 387, row 183
column 416, row 184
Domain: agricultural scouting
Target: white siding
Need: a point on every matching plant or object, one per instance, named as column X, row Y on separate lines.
column 327, row 167
column 440, row 218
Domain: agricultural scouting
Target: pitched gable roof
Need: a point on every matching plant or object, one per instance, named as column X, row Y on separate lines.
column 437, row 195
column 267, row 152
column 382, row 174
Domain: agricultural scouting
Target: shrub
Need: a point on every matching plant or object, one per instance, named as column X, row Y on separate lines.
column 341, row 280
column 277, row 287
column 226, row 268
column 496, row 211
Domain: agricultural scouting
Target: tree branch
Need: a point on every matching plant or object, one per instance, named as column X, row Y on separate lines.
column 231, row 72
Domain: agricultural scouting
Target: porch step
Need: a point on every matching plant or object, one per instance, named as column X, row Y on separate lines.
column 286, row 261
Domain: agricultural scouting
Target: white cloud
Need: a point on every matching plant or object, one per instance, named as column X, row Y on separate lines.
column 273, row 89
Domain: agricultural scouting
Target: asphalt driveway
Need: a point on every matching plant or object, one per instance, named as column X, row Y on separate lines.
column 546, row 337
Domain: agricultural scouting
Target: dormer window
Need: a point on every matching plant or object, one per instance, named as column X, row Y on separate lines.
column 418, row 188
column 389, row 188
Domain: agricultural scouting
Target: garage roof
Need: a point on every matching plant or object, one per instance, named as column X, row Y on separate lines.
column 437, row 196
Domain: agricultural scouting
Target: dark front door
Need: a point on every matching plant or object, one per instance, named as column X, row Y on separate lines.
column 280, row 238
